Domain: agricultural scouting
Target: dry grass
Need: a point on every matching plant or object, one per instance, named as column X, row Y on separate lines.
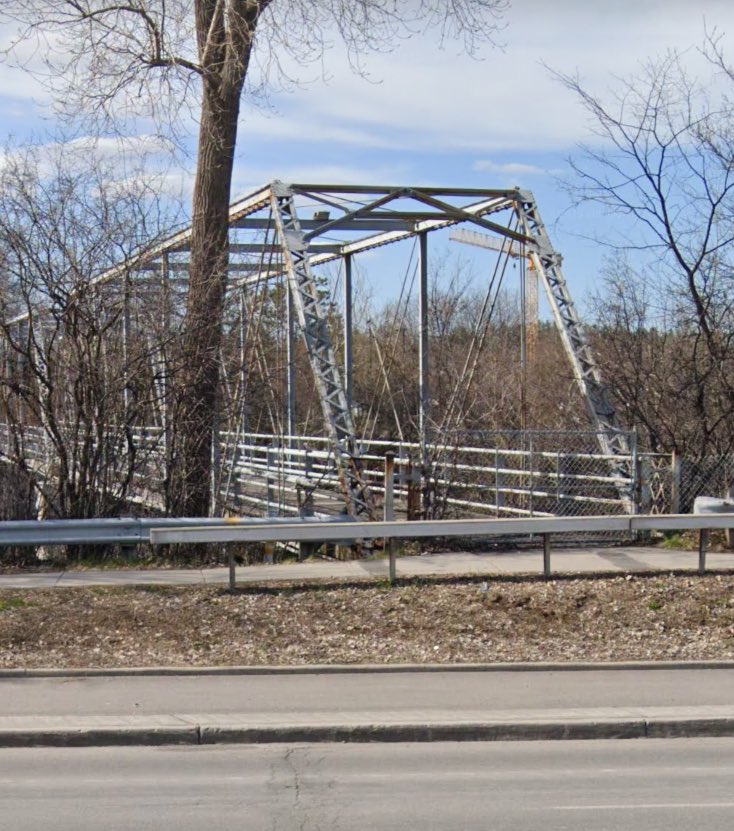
column 420, row 621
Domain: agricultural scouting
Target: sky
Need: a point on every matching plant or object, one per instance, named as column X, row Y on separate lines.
column 431, row 116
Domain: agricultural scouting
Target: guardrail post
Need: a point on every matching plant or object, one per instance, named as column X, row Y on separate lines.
column 230, row 561
column 389, row 510
column 546, row 556
column 128, row 550
column 703, row 540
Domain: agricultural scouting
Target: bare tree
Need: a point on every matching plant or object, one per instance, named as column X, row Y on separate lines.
column 664, row 159
column 77, row 381
column 669, row 385
column 155, row 53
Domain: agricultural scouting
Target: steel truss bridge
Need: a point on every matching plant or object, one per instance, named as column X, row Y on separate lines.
column 282, row 238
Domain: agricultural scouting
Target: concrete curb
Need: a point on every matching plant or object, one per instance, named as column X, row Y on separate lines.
column 550, row 730
column 143, row 736
column 340, row 669
column 391, row 733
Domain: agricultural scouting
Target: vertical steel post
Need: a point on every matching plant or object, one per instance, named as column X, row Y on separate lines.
column 546, row 556
column 499, row 497
column 423, row 358
column 523, row 348
column 272, row 509
column 412, row 478
column 423, row 367
column 307, row 462
column 389, row 510
column 165, row 381
column 675, row 470
column 530, row 462
column 703, row 541
column 306, row 508
column 348, row 324
column 232, row 577
column 243, row 369
column 216, row 457
column 558, row 478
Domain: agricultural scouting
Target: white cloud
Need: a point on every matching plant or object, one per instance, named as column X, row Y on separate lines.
column 428, row 99
column 304, row 126
column 248, row 179
column 513, row 168
column 16, row 83
column 112, row 147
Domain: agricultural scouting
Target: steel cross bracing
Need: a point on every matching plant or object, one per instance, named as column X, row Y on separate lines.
column 613, row 440
column 314, row 325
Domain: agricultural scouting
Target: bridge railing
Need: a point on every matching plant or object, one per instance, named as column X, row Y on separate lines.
column 446, row 480
column 519, row 475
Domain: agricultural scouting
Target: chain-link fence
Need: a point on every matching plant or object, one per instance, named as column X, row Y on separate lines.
column 529, row 473
column 670, row 483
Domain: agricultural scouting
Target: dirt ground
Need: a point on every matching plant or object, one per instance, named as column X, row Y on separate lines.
column 441, row 620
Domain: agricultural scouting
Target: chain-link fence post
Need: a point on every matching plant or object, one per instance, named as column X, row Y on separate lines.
column 675, row 482
column 499, row 497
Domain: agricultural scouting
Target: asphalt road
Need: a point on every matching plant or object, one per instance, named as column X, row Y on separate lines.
column 673, row 785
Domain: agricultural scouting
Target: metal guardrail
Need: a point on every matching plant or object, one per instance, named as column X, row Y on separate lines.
column 188, row 530
column 320, row 532
column 239, row 531
column 126, row 531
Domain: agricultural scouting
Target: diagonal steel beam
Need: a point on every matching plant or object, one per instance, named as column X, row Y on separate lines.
column 613, row 440
column 314, row 327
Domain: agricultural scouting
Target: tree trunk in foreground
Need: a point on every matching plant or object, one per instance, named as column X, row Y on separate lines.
column 197, row 384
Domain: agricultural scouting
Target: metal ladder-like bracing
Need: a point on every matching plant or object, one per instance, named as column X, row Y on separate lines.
column 613, row 440
column 312, row 318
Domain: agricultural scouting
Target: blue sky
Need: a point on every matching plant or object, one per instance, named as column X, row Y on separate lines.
column 430, row 116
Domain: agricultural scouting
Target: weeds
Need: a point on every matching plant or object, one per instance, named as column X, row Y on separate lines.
column 13, row 603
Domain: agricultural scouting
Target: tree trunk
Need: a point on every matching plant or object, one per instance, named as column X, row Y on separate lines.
column 197, row 385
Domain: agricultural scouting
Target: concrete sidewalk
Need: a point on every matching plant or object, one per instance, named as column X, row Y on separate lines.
column 589, row 560
column 433, row 704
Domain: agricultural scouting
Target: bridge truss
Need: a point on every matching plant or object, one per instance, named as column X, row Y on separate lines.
column 282, row 238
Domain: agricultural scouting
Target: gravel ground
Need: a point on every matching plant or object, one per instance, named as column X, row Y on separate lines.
column 441, row 620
